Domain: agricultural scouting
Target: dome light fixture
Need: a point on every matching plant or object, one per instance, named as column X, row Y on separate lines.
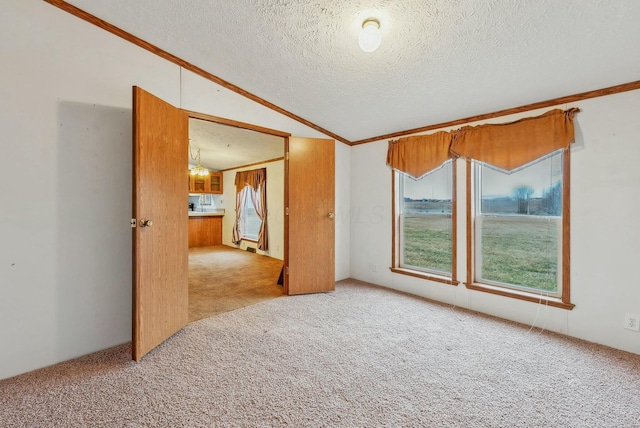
column 370, row 37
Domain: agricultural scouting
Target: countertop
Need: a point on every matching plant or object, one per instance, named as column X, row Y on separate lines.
column 218, row 213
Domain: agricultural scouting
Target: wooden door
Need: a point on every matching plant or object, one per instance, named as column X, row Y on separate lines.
column 160, row 249
column 310, row 223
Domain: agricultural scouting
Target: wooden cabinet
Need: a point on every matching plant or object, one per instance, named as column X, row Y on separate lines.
column 197, row 184
column 208, row 184
column 205, row 231
column 215, row 184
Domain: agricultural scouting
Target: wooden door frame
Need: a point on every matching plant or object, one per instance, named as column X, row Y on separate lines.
column 285, row 266
column 285, row 135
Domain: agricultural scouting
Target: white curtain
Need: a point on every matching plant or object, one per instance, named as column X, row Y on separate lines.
column 241, row 200
column 259, row 200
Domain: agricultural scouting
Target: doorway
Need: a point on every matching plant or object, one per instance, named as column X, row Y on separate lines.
column 224, row 275
column 160, row 223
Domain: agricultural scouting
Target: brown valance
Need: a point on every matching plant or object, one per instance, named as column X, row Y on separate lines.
column 509, row 146
column 252, row 178
column 420, row 154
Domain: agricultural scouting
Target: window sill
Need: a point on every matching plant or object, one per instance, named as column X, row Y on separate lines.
column 424, row 275
column 522, row 295
column 255, row 241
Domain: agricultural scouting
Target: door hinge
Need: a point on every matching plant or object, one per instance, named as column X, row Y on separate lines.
column 286, row 156
column 286, row 211
column 133, row 223
column 286, row 270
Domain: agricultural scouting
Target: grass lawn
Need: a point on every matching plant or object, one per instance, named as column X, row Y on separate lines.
column 514, row 252
column 520, row 252
column 427, row 242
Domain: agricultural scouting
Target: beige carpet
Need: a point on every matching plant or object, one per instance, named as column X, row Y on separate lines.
column 362, row 356
column 223, row 278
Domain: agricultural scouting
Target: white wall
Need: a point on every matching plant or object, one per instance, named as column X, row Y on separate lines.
column 275, row 208
column 343, row 208
column 605, row 237
column 65, row 178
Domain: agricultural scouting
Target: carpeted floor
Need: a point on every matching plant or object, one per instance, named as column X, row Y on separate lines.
column 363, row 356
column 223, row 278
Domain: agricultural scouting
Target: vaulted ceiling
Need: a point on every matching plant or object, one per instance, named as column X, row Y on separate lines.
column 439, row 60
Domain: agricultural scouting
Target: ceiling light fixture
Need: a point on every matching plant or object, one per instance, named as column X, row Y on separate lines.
column 198, row 169
column 370, row 37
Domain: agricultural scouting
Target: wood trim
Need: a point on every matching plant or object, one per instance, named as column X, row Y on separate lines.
column 394, row 221
column 454, row 222
column 236, row 124
column 566, row 226
column 79, row 13
column 469, row 224
column 631, row 86
column 424, row 275
column 521, row 295
column 285, row 266
column 253, row 164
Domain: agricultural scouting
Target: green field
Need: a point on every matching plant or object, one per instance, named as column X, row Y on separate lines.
column 514, row 252
column 427, row 242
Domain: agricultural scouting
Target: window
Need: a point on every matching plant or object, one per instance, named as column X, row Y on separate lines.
column 251, row 220
column 518, row 226
column 517, row 206
column 251, row 208
column 425, row 221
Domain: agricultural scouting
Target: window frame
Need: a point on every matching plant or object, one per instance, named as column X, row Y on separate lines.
column 396, row 267
column 563, row 298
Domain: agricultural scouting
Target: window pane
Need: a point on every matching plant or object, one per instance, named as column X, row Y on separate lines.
column 520, row 251
column 534, row 190
column 425, row 221
column 519, row 225
column 251, row 220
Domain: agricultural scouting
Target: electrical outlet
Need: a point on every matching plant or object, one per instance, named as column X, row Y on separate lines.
column 374, row 267
column 632, row 322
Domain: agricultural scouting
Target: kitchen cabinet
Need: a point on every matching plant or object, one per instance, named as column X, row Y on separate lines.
column 215, row 185
column 205, row 231
column 207, row 184
column 197, row 183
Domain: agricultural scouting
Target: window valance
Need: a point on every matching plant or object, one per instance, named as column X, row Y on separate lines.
column 420, row 154
column 252, row 178
column 507, row 146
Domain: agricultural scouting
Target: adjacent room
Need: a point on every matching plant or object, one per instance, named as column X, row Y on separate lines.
column 230, row 266
column 320, row 213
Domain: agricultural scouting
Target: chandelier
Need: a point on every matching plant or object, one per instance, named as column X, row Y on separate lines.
column 198, row 169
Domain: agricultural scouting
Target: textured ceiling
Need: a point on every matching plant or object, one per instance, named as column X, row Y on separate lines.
column 440, row 60
column 224, row 147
